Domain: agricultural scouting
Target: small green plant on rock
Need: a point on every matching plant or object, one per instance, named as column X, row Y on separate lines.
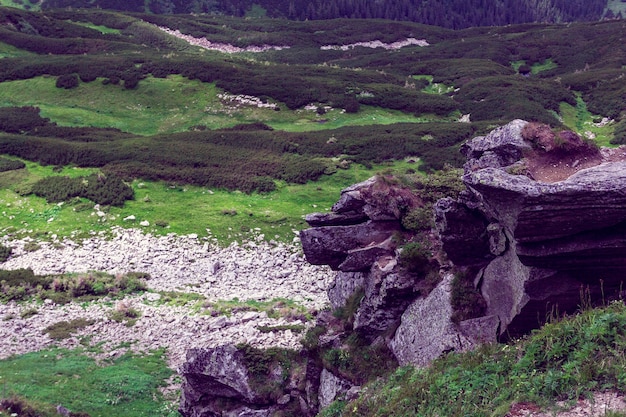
column 415, row 257
column 466, row 300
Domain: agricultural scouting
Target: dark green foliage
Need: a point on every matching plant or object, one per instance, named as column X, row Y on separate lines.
column 359, row 360
column 418, row 219
column 5, row 252
column 10, row 164
column 619, row 134
column 450, row 13
column 311, row 338
column 347, row 312
column 20, row 119
column 64, row 329
column 270, row 369
column 466, row 300
column 507, row 98
column 415, row 257
column 67, row 81
column 107, row 190
column 22, row 284
column 410, row 101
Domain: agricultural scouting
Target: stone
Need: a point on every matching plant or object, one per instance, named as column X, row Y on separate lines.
column 331, row 388
column 537, row 243
column 426, row 330
column 331, row 245
column 343, row 287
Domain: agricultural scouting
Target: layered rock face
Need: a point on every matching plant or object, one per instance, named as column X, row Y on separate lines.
column 542, row 246
column 407, row 310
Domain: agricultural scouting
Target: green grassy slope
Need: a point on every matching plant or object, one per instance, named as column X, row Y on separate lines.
column 565, row 360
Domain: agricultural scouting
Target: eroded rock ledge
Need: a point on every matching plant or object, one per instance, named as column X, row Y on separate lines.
column 543, row 238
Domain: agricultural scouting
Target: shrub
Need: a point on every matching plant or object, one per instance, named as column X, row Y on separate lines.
column 125, row 313
column 64, row 329
column 67, row 81
column 415, row 257
column 5, row 253
column 419, row 219
column 466, row 300
column 101, row 189
column 10, row 164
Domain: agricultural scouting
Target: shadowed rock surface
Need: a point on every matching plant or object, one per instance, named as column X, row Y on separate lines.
column 543, row 243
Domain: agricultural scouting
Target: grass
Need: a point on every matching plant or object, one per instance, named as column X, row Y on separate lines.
column 126, row 386
column 565, row 360
column 170, row 105
column 34, row 5
column 580, row 120
column 100, row 28
column 278, row 307
column 10, row 51
column 185, row 210
column 434, row 88
column 537, row 67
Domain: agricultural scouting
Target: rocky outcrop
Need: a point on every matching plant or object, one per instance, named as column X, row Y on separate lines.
column 542, row 221
column 541, row 226
column 364, row 252
column 229, row 381
column 359, row 238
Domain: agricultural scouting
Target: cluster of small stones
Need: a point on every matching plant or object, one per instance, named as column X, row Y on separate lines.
column 160, row 326
column 255, row 270
column 377, row 44
column 245, row 100
column 221, row 47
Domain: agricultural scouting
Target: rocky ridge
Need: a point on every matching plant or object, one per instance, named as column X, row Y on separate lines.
column 537, row 244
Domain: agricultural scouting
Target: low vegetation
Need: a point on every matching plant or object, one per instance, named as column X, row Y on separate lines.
column 565, row 360
column 22, row 284
column 37, row 382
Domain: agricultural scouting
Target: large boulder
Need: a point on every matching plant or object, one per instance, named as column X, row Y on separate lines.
column 543, row 220
column 219, row 382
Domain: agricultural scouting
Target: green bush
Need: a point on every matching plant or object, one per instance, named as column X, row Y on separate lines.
column 415, row 257
column 64, row 329
column 419, row 219
column 67, row 81
column 101, row 189
column 5, row 253
column 466, row 300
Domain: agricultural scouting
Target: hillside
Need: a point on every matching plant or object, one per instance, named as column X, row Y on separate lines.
column 177, row 156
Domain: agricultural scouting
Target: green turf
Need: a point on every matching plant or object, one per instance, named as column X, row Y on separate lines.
column 127, row 386
column 10, row 51
column 171, row 105
column 229, row 216
column 580, row 120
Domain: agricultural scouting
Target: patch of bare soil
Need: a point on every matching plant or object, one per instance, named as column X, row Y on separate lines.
column 555, row 156
column 558, row 166
column 598, row 406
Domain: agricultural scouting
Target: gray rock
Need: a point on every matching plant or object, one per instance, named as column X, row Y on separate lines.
column 344, row 285
column 331, row 388
column 536, row 243
column 331, row 245
column 426, row 330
